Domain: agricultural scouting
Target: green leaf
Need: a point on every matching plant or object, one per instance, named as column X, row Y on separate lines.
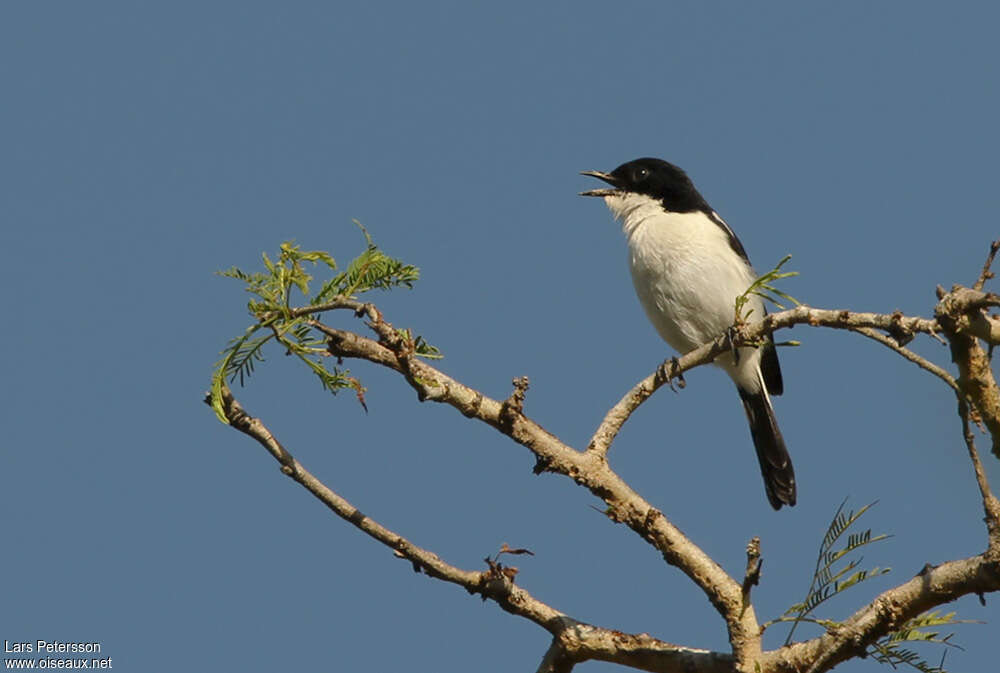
column 828, row 579
column 237, row 359
column 218, row 383
column 371, row 270
column 273, row 312
column 764, row 288
column 244, row 354
column 888, row 650
column 267, row 262
column 425, row 350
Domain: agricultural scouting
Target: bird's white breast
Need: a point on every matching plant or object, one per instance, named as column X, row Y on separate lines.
column 685, row 272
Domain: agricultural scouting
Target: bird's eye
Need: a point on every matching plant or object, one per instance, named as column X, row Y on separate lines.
column 640, row 174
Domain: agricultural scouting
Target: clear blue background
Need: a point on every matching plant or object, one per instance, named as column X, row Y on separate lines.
column 145, row 145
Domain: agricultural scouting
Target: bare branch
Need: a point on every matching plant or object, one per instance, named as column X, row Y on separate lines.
column 339, row 302
column 752, row 575
column 901, row 328
column 960, row 315
column 642, row 652
column 502, row 590
column 986, row 274
column 421, row 559
column 955, row 313
column 574, row 641
column 909, row 355
column 991, row 505
column 615, row 418
column 985, row 327
column 590, row 468
column 552, row 455
column 975, row 376
column 962, row 311
column 555, row 660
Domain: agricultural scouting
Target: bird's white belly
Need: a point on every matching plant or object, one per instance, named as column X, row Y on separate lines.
column 687, row 277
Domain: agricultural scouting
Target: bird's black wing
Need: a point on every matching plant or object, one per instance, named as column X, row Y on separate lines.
column 734, row 242
column 769, row 354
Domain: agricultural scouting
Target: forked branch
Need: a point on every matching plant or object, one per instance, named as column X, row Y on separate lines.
column 961, row 316
column 573, row 640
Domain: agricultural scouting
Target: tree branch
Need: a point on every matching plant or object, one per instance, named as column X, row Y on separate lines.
column 573, row 641
column 555, row 660
column 751, row 577
column 932, row 586
column 642, row 652
column 975, row 377
column 671, row 369
column 991, row 506
column 960, row 315
column 901, row 328
column 580, row 642
column 986, row 274
column 590, row 468
column 889, row 342
column 585, row 468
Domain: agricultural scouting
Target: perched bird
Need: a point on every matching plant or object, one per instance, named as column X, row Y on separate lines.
column 688, row 267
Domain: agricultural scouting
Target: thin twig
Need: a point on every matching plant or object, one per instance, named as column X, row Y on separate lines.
column 552, row 455
column 510, row 597
column 901, row 327
column 613, row 421
column 991, row 505
column 909, row 355
column 986, row 274
column 752, row 575
column 578, row 640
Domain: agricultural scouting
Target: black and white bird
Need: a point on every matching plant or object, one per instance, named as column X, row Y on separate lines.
column 688, row 267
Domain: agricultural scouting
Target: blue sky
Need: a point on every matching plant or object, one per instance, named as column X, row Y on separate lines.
column 146, row 145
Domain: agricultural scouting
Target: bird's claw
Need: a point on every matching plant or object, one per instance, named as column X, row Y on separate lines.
column 669, row 371
column 731, row 332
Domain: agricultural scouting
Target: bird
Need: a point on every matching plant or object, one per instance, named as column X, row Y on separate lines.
column 688, row 268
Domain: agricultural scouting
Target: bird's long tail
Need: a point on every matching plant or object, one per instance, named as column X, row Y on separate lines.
column 775, row 463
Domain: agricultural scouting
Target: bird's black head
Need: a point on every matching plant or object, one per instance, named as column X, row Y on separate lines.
column 655, row 178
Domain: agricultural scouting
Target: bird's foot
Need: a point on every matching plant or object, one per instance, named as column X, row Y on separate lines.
column 731, row 333
column 670, row 370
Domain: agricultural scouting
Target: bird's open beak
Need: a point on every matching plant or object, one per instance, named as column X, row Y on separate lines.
column 607, row 177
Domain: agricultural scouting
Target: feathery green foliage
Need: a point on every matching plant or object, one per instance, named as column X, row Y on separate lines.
column 278, row 321
column 889, row 650
column 829, row 578
column 371, row 270
column 763, row 287
column 420, row 345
